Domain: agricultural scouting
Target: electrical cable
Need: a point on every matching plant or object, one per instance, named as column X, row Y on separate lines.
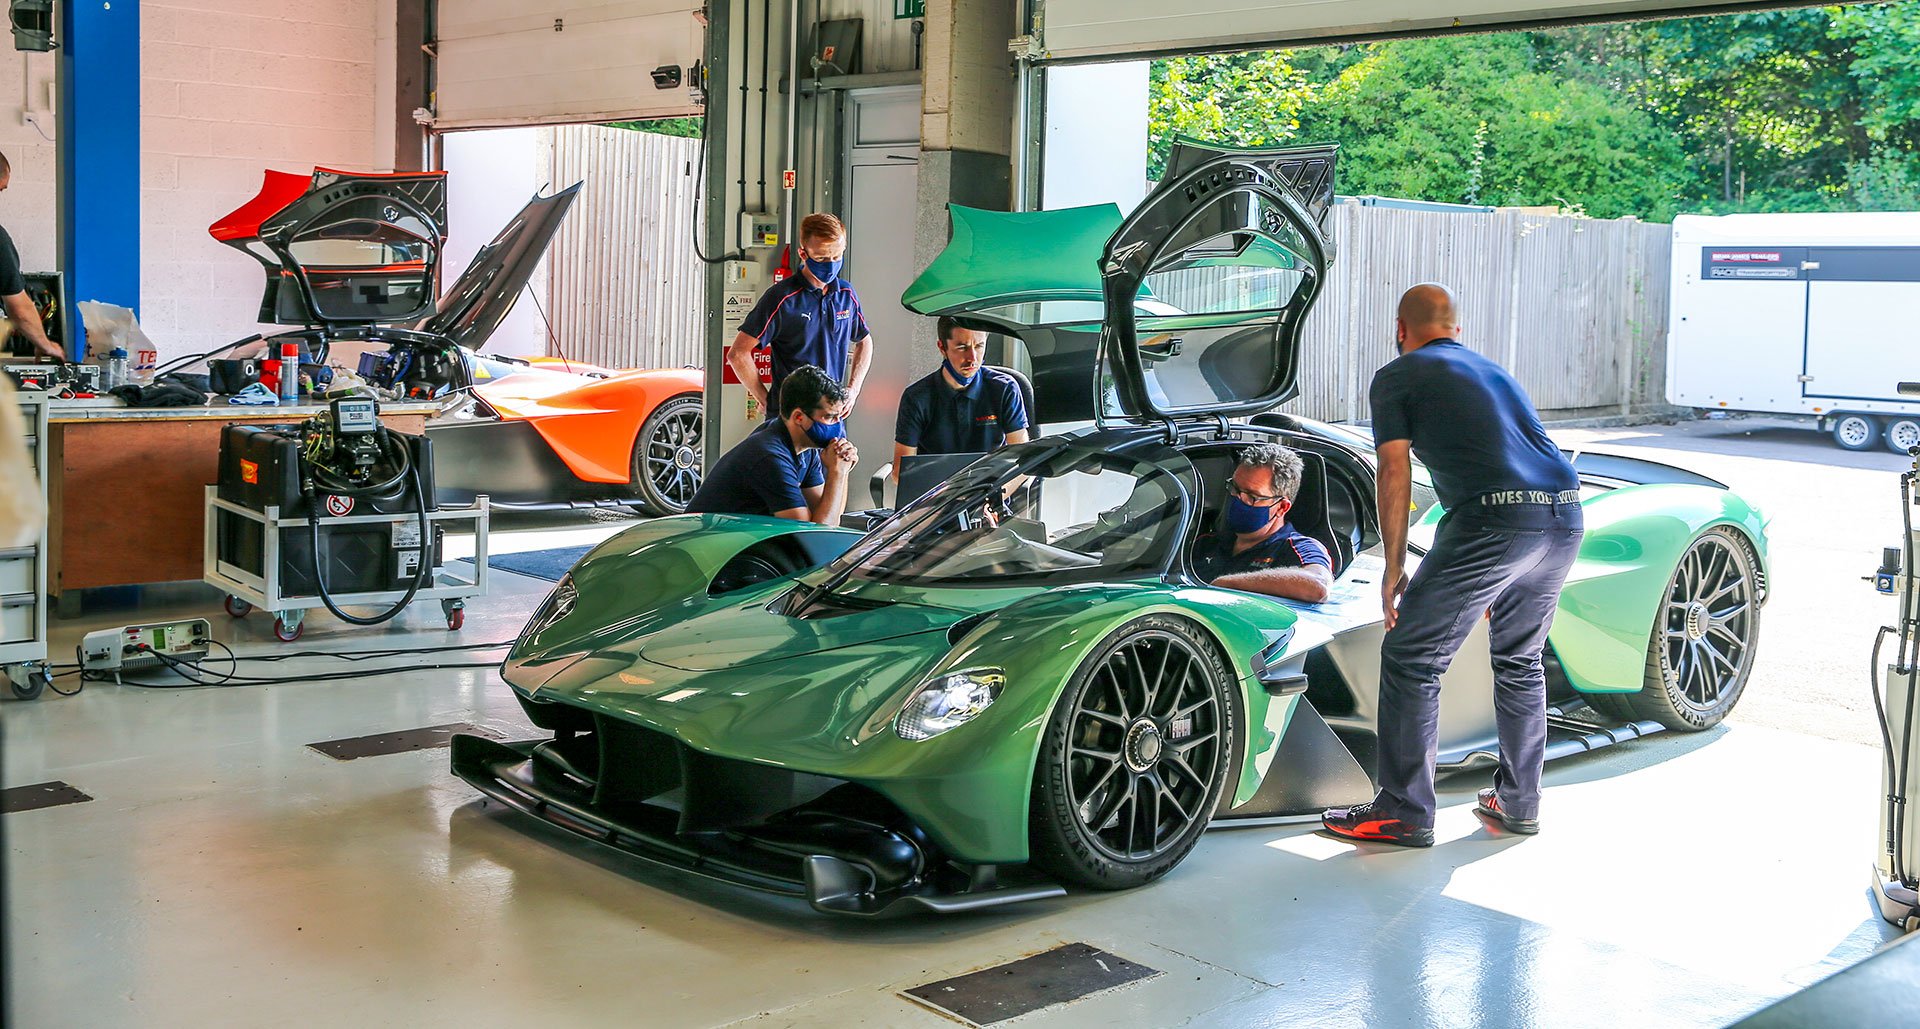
column 181, row 362
column 1910, row 663
column 232, row 678
column 425, row 569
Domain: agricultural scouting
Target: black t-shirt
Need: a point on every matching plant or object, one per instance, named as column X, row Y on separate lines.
column 1213, row 556
column 935, row 418
column 1469, row 422
column 11, row 281
column 761, row 476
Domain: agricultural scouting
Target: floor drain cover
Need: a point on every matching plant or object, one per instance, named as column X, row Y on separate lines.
column 398, row 742
column 39, row 795
column 1065, row 973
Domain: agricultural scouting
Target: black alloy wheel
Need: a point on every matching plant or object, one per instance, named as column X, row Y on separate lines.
column 667, row 455
column 1134, row 757
column 1702, row 646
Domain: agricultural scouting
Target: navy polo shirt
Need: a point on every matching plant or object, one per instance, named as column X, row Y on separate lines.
column 1469, row 422
column 1213, row 556
column 935, row 418
column 762, row 475
column 805, row 325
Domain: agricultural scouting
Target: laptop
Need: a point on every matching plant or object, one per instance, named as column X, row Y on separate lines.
column 920, row 473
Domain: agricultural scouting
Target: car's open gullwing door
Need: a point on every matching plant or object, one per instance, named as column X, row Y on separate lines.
column 1208, row 282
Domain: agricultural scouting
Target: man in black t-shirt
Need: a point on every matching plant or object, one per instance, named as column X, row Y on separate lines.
column 793, row 466
column 1510, row 535
column 13, row 289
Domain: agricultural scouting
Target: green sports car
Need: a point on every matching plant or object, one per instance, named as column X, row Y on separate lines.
column 1016, row 683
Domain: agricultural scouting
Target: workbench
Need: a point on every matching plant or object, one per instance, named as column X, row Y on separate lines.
column 128, row 486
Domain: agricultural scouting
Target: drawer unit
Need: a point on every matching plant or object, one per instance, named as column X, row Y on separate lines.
column 17, row 569
column 19, row 621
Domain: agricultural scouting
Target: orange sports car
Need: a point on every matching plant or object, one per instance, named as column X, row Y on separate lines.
column 352, row 257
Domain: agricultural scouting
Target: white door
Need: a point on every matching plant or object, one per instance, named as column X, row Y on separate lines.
column 1857, row 339
column 882, row 194
column 509, row 62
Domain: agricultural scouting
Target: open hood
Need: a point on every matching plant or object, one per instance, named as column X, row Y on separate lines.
column 343, row 249
column 1190, row 307
column 480, row 299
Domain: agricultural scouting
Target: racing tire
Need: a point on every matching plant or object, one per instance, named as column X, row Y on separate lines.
column 667, row 455
column 1902, row 435
column 1134, row 756
column 1701, row 650
column 1853, row 431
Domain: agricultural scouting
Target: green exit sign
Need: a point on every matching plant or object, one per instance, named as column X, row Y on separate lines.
column 909, row 8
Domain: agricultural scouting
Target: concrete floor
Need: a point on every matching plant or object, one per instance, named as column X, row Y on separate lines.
column 227, row 874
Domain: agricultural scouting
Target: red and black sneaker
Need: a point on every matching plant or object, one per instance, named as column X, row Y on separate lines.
column 1363, row 822
column 1489, row 806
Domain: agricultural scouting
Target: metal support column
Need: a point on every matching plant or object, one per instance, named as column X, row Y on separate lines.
column 99, row 154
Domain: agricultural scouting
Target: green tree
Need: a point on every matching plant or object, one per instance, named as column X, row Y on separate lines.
column 689, row 127
column 1250, row 98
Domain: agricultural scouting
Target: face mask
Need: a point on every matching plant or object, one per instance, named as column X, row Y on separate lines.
column 1244, row 518
column 825, row 271
column 822, row 433
column 963, row 380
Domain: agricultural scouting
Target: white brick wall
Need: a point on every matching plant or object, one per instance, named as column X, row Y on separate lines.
column 28, row 207
column 229, row 88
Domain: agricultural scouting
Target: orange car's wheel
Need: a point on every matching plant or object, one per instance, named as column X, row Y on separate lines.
column 667, row 455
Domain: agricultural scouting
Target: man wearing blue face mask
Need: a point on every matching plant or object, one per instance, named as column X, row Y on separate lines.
column 796, row 466
column 810, row 317
column 1255, row 549
column 964, row 407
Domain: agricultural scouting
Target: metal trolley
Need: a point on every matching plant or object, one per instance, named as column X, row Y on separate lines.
column 246, row 591
column 23, row 577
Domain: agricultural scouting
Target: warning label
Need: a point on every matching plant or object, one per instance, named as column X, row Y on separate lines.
column 339, row 507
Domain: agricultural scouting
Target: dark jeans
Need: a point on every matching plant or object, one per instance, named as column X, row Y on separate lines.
column 1512, row 560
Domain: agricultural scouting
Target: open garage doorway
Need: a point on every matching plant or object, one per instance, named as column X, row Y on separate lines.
column 620, row 286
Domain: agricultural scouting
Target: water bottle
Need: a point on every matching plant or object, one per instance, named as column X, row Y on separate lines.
column 116, row 373
column 289, row 373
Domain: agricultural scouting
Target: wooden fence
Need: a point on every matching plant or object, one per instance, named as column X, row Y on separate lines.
column 1576, row 308
column 624, row 288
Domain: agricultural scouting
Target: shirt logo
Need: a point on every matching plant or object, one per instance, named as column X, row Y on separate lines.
column 987, row 418
column 844, row 314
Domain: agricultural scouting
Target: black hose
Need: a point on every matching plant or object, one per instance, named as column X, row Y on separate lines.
column 411, row 471
column 1910, row 664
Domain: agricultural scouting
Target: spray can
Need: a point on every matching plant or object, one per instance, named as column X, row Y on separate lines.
column 289, row 373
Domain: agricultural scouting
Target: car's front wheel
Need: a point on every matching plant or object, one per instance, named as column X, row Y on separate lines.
column 1134, row 756
column 1702, row 646
column 667, row 455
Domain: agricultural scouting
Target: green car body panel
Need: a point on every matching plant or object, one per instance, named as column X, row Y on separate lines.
column 730, row 678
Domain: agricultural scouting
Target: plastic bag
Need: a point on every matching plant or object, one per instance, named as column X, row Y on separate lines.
column 109, row 326
column 23, row 511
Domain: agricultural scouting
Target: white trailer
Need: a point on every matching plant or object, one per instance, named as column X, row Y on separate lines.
column 1799, row 314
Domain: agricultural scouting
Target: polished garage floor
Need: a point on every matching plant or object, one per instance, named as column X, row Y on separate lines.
column 226, row 874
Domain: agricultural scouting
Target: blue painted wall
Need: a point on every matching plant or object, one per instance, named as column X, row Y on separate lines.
column 99, row 141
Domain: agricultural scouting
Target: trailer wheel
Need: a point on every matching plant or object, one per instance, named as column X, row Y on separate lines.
column 1855, row 431
column 1903, row 434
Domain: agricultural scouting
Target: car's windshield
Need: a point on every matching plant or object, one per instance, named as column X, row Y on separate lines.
column 1050, row 512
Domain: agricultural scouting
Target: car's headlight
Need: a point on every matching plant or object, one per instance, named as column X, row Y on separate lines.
column 951, row 700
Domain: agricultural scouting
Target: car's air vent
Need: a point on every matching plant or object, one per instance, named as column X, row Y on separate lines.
column 801, row 602
column 958, row 630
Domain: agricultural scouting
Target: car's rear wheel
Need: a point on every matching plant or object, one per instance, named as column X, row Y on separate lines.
column 1134, row 756
column 1855, row 431
column 1902, row 435
column 1702, row 646
column 667, row 455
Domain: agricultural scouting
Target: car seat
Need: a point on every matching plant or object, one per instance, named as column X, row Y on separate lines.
column 1309, row 514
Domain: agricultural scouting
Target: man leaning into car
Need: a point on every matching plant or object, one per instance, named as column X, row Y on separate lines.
column 1511, row 531
column 1255, row 549
column 796, row 466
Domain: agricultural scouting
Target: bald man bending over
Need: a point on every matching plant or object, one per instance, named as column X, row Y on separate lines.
column 1511, row 530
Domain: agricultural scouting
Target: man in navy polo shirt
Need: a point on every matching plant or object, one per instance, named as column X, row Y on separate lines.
column 795, row 466
column 1511, row 531
column 964, row 407
column 1255, row 549
column 810, row 317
